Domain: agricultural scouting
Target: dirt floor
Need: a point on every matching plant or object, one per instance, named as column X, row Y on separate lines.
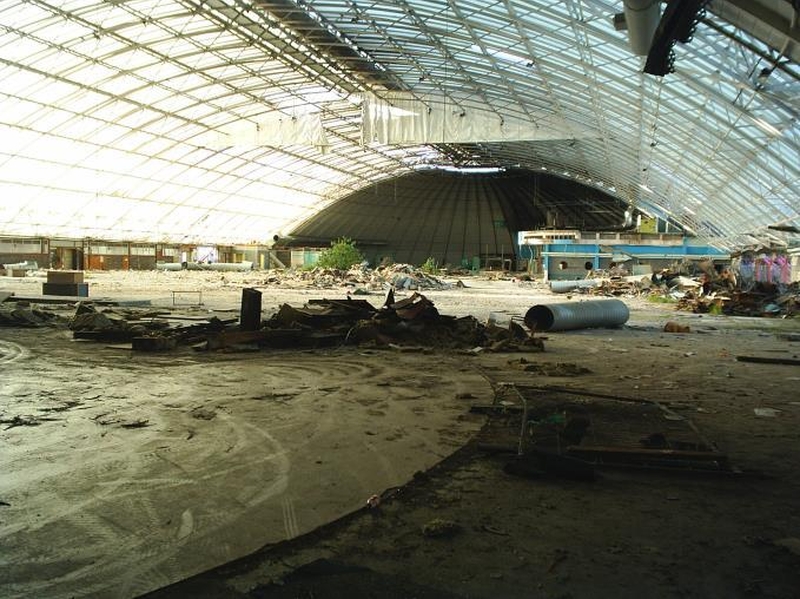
column 144, row 470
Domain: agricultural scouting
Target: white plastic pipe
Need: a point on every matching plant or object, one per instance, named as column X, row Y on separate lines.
column 641, row 17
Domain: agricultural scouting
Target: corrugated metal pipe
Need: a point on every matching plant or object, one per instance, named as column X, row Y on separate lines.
column 641, row 18
column 567, row 286
column 569, row 316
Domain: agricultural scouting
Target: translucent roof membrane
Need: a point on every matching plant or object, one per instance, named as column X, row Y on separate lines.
column 109, row 111
column 105, row 109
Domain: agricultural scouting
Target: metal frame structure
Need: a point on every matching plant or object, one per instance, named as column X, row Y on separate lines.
column 106, row 107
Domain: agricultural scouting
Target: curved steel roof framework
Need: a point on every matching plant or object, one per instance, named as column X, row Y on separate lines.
column 107, row 108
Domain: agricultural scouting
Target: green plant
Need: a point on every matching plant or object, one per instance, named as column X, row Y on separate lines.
column 342, row 254
column 430, row 266
column 657, row 298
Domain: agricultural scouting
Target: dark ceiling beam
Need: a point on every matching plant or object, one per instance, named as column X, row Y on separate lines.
column 778, row 28
column 315, row 32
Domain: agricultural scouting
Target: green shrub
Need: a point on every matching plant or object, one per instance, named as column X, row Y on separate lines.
column 430, row 266
column 342, row 254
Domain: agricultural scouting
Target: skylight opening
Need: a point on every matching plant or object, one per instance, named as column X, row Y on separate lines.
column 766, row 127
column 467, row 170
column 503, row 55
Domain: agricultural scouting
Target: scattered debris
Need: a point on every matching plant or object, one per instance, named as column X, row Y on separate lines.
column 560, row 556
column 791, row 544
column 146, row 331
column 413, row 321
column 554, row 435
column 549, row 368
column 203, row 414
column 660, row 441
column 22, row 315
column 22, row 421
column 537, row 464
column 20, row 269
column 754, row 285
column 652, row 458
column 136, row 424
column 440, row 528
column 359, row 278
column 766, row 412
column 495, row 531
column 66, row 405
column 108, row 325
column 674, row 327
column 153, row 344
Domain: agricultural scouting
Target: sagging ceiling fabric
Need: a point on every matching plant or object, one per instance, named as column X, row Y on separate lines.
column 230, row 121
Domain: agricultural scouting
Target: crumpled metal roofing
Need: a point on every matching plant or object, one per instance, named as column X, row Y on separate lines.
column 106, row 108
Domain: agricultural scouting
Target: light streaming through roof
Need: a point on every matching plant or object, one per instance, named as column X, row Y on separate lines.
column 107, row 108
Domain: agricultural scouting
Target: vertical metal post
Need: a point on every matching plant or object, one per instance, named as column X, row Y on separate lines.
column 250, row 316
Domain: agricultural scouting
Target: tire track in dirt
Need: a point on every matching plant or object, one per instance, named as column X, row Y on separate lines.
column 11, row 352
column 131, row 555
column 158, row 505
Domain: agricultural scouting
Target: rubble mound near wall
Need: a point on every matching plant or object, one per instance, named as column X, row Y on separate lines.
column 397, row 276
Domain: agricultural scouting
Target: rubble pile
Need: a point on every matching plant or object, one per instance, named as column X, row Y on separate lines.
column 706, row 291
column 321, row 278
column 108, row 325
column 413, row 321
column 406, row 276
column 396, row 276
column 145, row 330
column 765, row 302
column 23, row 315
column 721, row 296
column 621, row 286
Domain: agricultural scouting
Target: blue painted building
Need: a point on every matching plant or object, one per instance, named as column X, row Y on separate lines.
column 570, row 254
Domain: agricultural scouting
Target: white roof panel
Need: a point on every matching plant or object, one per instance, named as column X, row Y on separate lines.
column 105, row 106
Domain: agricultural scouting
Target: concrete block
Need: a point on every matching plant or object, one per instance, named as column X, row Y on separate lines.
column 76, row 289
column 65, row 277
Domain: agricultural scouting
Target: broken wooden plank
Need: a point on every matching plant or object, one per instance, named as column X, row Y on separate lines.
column 643, row 453
column 112, row 335
column 495, row 409
column 227, row 338
column 578, row 391
column 763, row 360
column 152, row 344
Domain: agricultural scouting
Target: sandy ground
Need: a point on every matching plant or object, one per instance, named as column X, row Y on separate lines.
column 249, row 450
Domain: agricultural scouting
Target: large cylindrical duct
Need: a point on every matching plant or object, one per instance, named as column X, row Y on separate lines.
column 577, row 315
column 641, row 18
column 567, row 286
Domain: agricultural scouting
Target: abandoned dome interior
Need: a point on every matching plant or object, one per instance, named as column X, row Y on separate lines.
column 410, row 298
